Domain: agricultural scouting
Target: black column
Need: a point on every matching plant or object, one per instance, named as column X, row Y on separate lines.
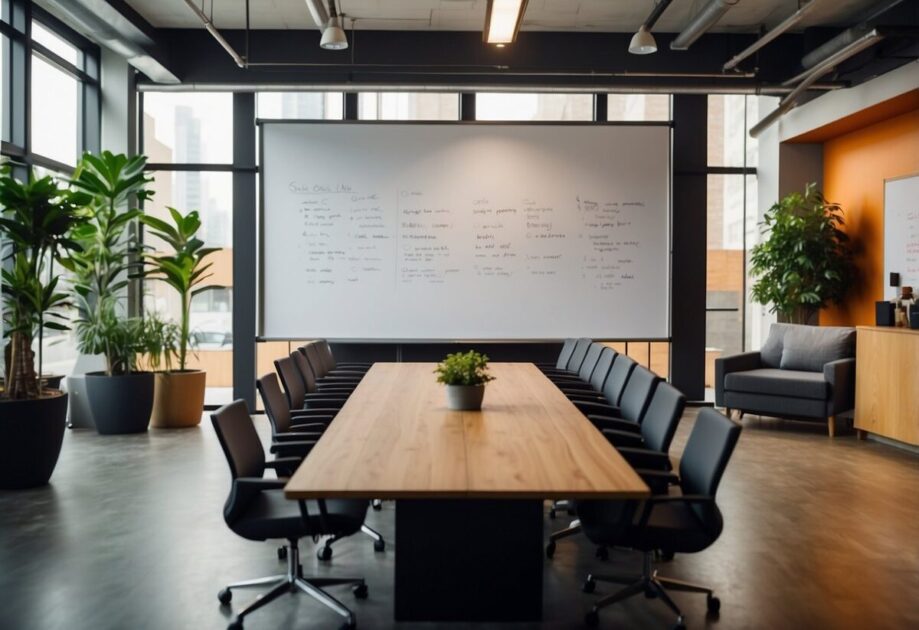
column 467, row 106
column 687, row 284
column 245, row 299
column 350, row 106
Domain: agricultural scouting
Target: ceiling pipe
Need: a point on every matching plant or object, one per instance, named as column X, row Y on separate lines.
column 319, row 13
column 845, row 38
column 701, row 23
column 659, row 7
column 768, row 37
column 644, row 88
column 216, row 34
column 791, row 100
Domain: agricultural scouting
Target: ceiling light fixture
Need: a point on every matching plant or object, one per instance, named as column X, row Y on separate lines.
column 643, row 42
column 333, row 37
column 502, row 21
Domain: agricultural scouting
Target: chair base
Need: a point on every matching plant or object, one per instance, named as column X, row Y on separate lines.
column 291, row 582
column 651, row 585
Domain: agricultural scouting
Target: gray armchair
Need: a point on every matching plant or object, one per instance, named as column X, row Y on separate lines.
column 802, row 373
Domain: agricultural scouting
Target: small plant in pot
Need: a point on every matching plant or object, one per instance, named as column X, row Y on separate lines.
column 465, row 375
column 35, row 219
column 179, row 400
column 121, row 397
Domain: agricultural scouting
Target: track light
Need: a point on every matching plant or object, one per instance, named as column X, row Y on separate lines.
column 643, row 42
column 502, row 20
column 333, row 36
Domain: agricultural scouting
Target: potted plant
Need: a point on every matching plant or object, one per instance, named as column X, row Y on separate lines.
column 120, row 397
column 465, row 375
column 35, row 219
column 805, row 261
column 179, row 399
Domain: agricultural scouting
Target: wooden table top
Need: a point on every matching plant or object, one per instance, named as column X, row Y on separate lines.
column 396, row 439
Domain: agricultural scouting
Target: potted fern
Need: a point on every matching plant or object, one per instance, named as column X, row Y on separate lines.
column 121, row 397
column 465, row 375
column 179, row 394
column 35, row 219
column 804, row 261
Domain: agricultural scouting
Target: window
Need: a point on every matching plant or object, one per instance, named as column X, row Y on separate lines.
column 300, row 105
column 55, row 112
column 56, row 44
column 517, row 106
column 188, row 139
column 638, row 107
column 731, row 228
column 188, row 127
column 408, row 106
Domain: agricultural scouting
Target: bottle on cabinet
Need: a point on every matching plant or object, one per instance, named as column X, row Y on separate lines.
column 905, row 304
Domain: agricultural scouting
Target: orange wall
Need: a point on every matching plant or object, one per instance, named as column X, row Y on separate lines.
column 855, row 166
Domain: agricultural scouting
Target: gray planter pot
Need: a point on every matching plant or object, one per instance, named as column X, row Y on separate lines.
column 79, row 415
column 465, row 397
column 120, row 404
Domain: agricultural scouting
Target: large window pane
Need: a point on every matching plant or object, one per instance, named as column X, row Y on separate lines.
column 638, row 107
column 515, row 106
column 300, row 105
column 730, row 117
column 189, row 128
column 54, row 112
column 56, row 44
column 407, row 106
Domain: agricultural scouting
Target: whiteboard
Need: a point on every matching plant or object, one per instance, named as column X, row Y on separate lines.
column 901, row 230
column 464, row 231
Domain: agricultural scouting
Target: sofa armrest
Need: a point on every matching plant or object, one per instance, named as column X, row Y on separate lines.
column 841, row 377
column 734, row 363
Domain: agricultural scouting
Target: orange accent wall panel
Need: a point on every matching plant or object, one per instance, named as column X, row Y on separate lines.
column 855, row 166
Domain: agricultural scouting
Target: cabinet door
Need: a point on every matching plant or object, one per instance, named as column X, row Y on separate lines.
column 887, row 384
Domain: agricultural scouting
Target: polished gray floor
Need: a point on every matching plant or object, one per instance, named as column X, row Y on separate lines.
column 819, row 534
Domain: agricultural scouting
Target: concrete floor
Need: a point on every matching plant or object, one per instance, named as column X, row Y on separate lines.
column 819, row 533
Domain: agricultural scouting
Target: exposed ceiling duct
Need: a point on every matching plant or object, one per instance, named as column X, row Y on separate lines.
column 216, row 34
column 319, row 13
column 846, row 38
column 768, row 37
column 701, row 22
column 866, row 40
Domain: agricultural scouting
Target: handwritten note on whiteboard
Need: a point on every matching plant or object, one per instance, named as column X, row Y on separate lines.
column 901, row 230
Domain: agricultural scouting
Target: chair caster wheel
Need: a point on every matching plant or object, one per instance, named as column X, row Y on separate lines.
column 379, row 545
column 324, row 553
column 590, row 585
column 348, row 626
column 592, row 619
column 225, row 596
column 713, row 604
column 550, row 550
column 602, row 553
column 679, row 625
column 282, row 553
column 376, row 505
column 360, row 591
column 235, row 625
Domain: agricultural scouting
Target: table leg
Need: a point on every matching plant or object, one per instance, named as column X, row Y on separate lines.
column 469, row 560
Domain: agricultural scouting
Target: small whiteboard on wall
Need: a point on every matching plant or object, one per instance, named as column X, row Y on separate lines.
column 901, row 229
column 453, row 231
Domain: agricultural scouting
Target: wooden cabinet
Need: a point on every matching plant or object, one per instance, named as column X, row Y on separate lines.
column 887, row 383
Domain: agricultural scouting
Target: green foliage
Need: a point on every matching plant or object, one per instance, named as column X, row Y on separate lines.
column 162, row 345
column 463, row 368
column 110, row 185
column 184, row 268
column 805, row 260
column 36, row 218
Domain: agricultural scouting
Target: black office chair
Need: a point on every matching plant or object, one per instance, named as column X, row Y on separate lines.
column 633, row 403
column 597, row 378
column 613, row 386
column 325, row 378
column 563, row 356
column 328, row 359
column 646, row 450
column 586, row 370
column 309, row 379
column 257, row 509
column 297, row 396
column 685, row 522
column 573, row 365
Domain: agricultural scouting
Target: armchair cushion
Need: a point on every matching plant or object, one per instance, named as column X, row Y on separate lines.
column 771, row 352
column 809, row 348
column 790, row 383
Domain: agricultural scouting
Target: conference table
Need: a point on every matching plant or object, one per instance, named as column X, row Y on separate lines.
column 469, row 486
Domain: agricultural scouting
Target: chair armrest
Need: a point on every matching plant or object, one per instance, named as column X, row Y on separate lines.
column 577, row 389
column 734, row 363
column 296, row 436
column 588, row 407
column 623, row 439
column 334, row 389
column 324, row 403
column 309, row 427
column 320, row 415
column 646, row 458
column 243, row 490
column 841, row 377
column 295, row 451
column 658, row 480
column 655, row 500
column 614, row 423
